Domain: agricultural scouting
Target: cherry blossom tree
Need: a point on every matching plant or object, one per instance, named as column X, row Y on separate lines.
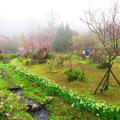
column 106, row 26
column 32, row 42
column 43, row 38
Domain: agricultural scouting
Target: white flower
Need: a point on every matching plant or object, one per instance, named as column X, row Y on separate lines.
column 7, row 114
column 97, row 114
column 10, row 106
column 72, row 105
column 118, row 109
column 1, row 103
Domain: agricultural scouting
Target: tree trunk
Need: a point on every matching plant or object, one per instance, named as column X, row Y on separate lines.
column 107, row 78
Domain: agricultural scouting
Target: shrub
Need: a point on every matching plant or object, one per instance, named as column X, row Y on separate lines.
column 100, row 58
column 50, row 66
column 59, row 60
column 74, row 74
column 62, row 39
column 118, row 58
column 10, row 55
column 51, row 55
column 74, row 57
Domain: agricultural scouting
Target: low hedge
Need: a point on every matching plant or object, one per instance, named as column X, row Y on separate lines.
column 8, row 55
column 98, row 108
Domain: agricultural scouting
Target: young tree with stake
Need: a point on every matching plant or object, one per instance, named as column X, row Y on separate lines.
column 106, row 25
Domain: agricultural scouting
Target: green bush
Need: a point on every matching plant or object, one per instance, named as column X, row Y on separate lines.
column 51, row 55
column 74, row 74
column 75, row 57
column 100, row 58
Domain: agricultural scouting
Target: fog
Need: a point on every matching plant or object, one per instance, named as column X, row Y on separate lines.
column 20, row 16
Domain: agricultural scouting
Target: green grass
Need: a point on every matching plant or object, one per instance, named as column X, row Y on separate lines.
column 58, row 108
column 12, row 106
column 2, row 84
column 93, row 74
column 118, row 58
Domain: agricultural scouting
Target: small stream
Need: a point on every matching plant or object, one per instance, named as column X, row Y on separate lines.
column 38, row 111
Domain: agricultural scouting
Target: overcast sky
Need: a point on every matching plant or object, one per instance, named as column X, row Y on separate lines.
column 18, row 16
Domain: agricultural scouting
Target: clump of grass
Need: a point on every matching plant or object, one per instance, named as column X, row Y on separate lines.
column 75, row 74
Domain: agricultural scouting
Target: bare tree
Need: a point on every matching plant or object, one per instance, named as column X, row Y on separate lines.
column 106, row 25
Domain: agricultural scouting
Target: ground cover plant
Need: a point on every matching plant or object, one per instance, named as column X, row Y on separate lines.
column 75, row 74
column 39, row 93
column 100, row 109
column 87, row 87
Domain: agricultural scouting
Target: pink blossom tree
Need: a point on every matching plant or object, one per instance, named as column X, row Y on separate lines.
column 106, row 26
column 32, row 42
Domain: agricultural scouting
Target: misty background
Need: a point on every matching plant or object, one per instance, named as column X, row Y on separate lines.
column 21, row 16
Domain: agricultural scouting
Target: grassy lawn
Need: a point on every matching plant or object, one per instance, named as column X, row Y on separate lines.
column 83, row 88
column 58, row 108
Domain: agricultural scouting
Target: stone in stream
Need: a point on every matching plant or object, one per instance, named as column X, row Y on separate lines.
column 35, row 108
column 15, row 89
column 37, row 111
column 40, row 115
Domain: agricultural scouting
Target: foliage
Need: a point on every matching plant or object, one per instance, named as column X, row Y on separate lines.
column 59, row 60
column 1, row 57
column 33, row 42
column 61, row 42
column 74, row 74
column 51, row 55
column 99, row 57
column 118, row 58
column 83, row 42
column 9, row 56
column 75, row 57
column 6, row 57
column 107, row 30
column 56, row 61
column 50, row 66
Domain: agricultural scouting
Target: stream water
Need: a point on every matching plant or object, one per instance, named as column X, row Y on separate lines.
column 38, row 111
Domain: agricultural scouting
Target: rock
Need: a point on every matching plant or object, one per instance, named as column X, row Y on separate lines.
column 32, row 62
column 40, row 57
column 42, row 54
column 49, row 99
column 7, row 114
column 35, row 107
